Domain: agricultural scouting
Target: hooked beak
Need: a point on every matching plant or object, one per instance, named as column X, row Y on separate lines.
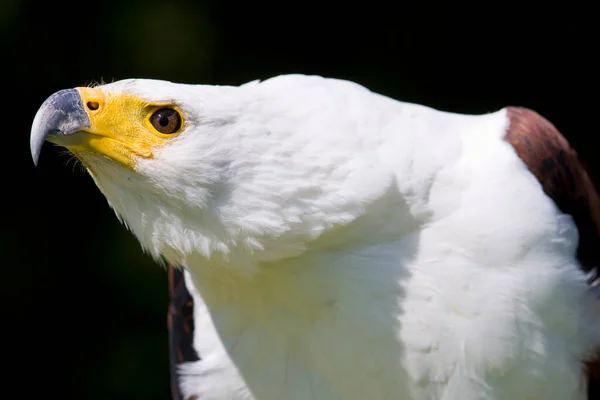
column 62, row 114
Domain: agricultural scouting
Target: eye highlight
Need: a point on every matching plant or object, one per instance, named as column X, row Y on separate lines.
column 166, row 120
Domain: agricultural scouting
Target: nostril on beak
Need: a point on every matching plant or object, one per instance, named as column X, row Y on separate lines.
column 92, row 105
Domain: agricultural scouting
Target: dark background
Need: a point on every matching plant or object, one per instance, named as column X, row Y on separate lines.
column 84, row 310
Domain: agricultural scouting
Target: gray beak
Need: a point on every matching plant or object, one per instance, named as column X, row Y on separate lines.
column 61, row 114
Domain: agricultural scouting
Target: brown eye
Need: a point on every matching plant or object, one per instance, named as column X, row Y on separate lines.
column 166, row 120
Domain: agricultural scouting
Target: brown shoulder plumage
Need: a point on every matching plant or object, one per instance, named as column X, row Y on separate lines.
column 565, row 179
column 180, row 322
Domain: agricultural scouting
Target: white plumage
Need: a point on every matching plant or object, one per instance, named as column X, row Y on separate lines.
column 339, row 244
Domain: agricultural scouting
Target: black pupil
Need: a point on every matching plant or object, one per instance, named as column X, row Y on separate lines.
column 163, row 120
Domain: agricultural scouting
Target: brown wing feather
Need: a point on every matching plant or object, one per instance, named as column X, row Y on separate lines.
column 180, row 321
column 565, row 179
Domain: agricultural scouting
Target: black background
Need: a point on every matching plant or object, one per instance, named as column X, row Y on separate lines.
column 84, row 309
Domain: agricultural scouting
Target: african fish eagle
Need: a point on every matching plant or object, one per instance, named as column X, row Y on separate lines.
column 328, row 242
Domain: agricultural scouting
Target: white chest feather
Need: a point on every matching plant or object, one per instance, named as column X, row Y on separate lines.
column 395, row 321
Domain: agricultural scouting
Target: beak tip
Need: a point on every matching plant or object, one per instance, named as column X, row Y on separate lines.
column 35, row 158
column 36, row 141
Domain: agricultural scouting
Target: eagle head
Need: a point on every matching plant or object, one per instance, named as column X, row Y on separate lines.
column 217, row 172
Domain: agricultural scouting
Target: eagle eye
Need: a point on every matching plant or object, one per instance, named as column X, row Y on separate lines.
column 166, row 120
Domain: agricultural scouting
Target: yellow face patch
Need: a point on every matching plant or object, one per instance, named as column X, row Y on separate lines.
column 124, row 127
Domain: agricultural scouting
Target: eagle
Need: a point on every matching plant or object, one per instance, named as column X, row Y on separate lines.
column 327, row 242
